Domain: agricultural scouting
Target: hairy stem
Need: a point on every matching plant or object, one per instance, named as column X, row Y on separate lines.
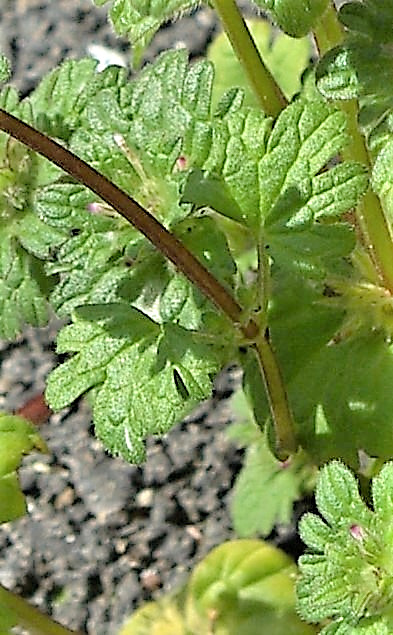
column 266, row 89
column 30, row 618
column 376, row 232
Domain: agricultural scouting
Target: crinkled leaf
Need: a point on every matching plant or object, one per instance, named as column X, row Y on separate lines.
column 24, row 238
column 141, row 19
column 285, row 57
column 146, row 135
column 295, row 17
column 349, row 577
column 361, row 68
column 61, row 96
column 305, row 137
column 21, row 298
column 337, row 496
column 146, row 377
column 17, row 438
column 266, row 175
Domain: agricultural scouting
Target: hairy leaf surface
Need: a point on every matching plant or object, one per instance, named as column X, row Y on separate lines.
column 141, row 19
column 346, row 576
column 146, row 376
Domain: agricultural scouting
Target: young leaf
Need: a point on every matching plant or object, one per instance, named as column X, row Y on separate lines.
column 295, row 17
column 125, row 356
column 17, row 438
column 243, row 586
column 141, row 19
column 348, row 577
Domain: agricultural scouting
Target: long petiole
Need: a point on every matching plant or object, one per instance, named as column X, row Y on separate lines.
column 283, row 423
column 266, row 89
column 145, row 222
column 170, row 247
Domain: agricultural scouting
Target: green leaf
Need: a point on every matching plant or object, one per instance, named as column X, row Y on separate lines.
column 361, row 68
column 17, row 438
column 247, row 585
column 21, row 298
column 295, row 17
column 305, row 137
column 61, row 96
column 125, row 356
column 162, row 617
column 5, row 69
column 265, row 491
column 349, row 577
column 23, row 237
column 341, row 411
column 8, row 619
column 285, row 58
column 141, row 19
column 147, row 135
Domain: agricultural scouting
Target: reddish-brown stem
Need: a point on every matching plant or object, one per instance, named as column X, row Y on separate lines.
column 167, row 244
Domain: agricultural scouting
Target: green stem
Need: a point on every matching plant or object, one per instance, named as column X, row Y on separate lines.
column 29, row 617
column 328, row 31
column 372, row 222
column 284, row 426
column 170, row 247
column 266, row 89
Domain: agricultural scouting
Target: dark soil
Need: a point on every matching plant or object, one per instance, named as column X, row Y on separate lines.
column 102, row 536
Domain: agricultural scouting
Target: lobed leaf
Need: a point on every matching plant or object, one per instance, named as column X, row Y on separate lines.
column 141, row 19
column 125, row 356
column 349, row 578
column 361, row 68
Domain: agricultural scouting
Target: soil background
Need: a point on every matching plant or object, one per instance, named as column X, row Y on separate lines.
column 102, row 536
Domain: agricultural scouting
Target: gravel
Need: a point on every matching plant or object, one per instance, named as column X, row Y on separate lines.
column 102, row 536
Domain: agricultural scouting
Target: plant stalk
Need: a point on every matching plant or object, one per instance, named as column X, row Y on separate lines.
column 29, row 617
column 174, row 250
column 145, row 222
column 283, row 423
column 265, row 87
column 328, row 32
column 376, row 232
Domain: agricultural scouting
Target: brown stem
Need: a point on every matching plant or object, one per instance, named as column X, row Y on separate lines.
column 161, row 238
column 175, row 251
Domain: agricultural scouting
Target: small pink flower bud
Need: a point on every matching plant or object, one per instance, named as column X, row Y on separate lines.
column 357, row 532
